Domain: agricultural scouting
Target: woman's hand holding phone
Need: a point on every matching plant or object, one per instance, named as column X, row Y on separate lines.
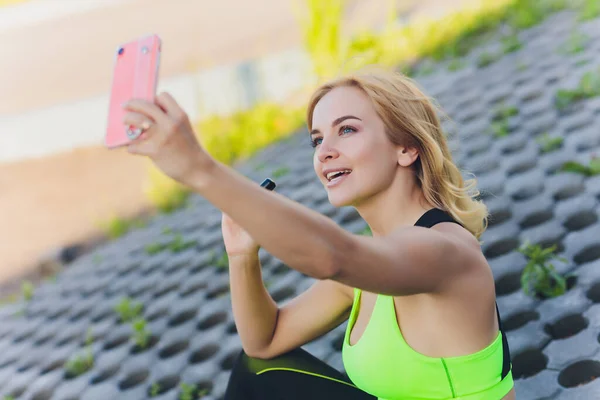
column 170, row 141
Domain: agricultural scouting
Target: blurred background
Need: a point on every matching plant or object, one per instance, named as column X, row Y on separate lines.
column 58, row 185
column 113, row 278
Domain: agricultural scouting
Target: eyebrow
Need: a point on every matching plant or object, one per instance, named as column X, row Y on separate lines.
column 336, row 122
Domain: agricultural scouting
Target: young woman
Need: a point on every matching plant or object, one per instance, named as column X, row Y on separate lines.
column 419, row 294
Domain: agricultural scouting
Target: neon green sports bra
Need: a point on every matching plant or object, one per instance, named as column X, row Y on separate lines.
column 383, row 364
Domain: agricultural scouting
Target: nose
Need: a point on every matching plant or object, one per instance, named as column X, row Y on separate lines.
column 325, row 152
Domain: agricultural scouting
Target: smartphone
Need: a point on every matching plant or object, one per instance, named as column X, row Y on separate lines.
column 268, row 184
column 135, row 75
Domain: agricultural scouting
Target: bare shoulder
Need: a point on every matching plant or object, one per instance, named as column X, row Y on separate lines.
column 470, row 249
column 459, row 235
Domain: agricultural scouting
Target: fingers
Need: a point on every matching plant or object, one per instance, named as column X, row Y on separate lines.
column 168, row 103
column 149, row 110
column 137, row 120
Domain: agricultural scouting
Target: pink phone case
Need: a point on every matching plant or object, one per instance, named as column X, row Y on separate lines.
column 135, row 76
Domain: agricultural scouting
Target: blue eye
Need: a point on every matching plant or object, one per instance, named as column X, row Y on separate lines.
column 347, row 127
column 344, row 129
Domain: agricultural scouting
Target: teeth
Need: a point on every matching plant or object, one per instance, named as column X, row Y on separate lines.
column 330, row 174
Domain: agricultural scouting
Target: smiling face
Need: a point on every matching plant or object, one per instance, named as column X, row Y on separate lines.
column 348, row 134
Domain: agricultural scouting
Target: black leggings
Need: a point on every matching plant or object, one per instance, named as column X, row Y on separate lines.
column 290, row 376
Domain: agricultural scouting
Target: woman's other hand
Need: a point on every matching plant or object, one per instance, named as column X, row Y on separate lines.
column 237, row 240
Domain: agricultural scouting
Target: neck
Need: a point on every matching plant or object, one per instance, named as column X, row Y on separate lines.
column 401, row 205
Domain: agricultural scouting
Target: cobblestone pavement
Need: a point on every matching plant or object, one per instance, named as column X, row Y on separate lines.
column 554, row 342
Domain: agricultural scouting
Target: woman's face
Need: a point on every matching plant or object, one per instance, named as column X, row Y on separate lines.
column 348, row 134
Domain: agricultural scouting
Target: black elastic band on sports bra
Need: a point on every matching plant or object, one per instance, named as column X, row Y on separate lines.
column 435, row 216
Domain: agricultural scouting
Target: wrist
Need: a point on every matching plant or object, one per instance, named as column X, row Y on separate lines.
column 243, row 257
column 202, row 173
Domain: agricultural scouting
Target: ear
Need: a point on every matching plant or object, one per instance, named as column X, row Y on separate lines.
column 407, row 155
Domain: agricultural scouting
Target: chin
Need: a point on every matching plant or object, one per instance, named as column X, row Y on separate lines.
column 340, row 201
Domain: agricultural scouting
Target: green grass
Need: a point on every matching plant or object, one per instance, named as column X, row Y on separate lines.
column 141, row 333
column 191, row 392
column 511, row 43
column 27, row 290
column 117, row 226
column 575, row 43
column 456, row 64
column 79, row 364
column 221, row 261
column 279, row 172
column 592, row 169
column 548, row 143
column 128, row 309
column 83, row 361
column 590, row 9
column 366, row 231
column 154, row 389
column 589, row 86
column 177, row 244
column 539, row 278
column 500, row 120
column 487, row 58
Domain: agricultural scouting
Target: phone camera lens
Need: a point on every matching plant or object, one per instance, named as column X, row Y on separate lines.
column 121, row 50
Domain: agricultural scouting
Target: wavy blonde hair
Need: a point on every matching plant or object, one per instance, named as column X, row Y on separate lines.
column 410, row 120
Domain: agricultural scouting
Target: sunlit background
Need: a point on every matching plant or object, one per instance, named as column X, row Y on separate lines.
column 81, row 225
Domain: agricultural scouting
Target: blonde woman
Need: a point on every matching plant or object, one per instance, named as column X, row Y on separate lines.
column 418, row 294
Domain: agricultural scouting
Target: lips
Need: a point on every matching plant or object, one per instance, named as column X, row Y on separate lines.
column 332, row 172
column 337, row 180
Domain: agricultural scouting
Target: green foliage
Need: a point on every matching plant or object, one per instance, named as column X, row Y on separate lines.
column 587, row 170
column 575, row 43
column 486, row 59
column 176, row 245
column 154, row 248
column 504, row 112
column 511, row 43
column 366, row 231
column 456, row 64
column 128, row 309
column 527, row 13
column 590, row 9
column 279, row 172
column 187, row 391
column 500, row 121
column 539, row 278
column 191, row 392
column 221, row 261
column 82, row 362
column 163, row 192
column 179, row 244
column 27, row 290
column 548, row 143
column 589, row 86
column 321, row 31
column 154, row 389
column 117, row 226
column 454, row 36
column 7, row 397
column 241, row 135
column 141, row 334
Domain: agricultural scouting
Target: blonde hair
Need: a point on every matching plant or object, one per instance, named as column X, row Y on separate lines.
column 410, row 120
